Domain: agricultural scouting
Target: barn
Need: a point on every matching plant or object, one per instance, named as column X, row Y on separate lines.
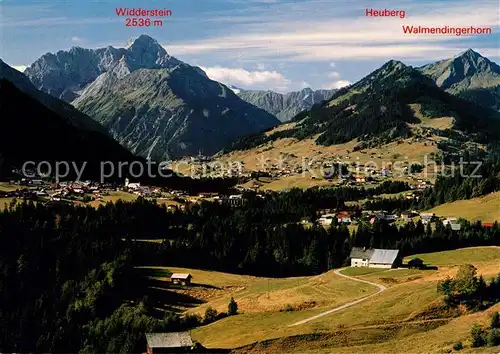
column 181, row 278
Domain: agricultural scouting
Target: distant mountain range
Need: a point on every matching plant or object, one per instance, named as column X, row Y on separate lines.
column 284, row 106
column 152, row 103
column 385, row 105
column 38, row 127
column 160, row 107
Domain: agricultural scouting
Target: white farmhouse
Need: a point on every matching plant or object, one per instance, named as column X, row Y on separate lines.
column 453, row 222
column 326, row 219
column 374, row 257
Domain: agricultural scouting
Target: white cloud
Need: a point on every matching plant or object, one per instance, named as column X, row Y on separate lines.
column 20, row 68
column 332, row 64
column 249, row 79
column 334, row 74
column 76, row 39
column 319, row 36
column 260, row 66
column 339, row 84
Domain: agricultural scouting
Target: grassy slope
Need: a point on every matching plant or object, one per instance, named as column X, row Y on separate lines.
column 486, row 209
column 473, row 255
column 258, row 296
column 375, row 324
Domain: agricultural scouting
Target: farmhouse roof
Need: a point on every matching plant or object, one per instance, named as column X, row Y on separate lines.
column 180, row 276
column 375, row 255
column 382, row 256
column 360, row 252
column 169, row 340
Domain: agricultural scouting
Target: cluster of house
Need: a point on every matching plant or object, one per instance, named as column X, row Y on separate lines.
column 347, row 218
column 343, row 217
column 31, row 188
column 143, row 191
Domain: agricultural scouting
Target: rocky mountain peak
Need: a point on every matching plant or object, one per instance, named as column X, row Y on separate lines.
column 145, row 44
column 68, row 72
column 393, row 65
column 471, row 62
column 465, row 71
column 470, row 54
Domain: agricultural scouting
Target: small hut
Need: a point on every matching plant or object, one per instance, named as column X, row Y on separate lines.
column 181, row 278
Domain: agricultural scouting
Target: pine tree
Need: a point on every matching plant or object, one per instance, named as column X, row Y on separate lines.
column 232, row 308
column 210, row 315
column 495, row 320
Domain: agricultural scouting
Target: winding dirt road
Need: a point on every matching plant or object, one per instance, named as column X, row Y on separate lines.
column 349, row 304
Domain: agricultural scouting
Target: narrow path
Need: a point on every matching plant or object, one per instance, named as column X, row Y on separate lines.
column 349, row 304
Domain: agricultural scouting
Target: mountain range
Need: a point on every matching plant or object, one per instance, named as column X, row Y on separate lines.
column 162, row 108
column 284, row 106
column 388, row 103
column 65, row 73
column 152, row 103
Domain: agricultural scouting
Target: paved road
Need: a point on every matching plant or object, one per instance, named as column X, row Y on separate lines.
column 349, row 304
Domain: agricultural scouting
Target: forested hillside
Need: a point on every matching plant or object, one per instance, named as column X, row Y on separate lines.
column 66, row 283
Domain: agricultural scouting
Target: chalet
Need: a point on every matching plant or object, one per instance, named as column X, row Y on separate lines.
column 455, row 226
column 235, row 200
column 173, row 342
column 427, row 217
column 391, row 217
column 181, row 278
column 408, row 215
column 132, row 185
column 344, row 218
column 360, row 179
column 326, row 219
column 374, row 257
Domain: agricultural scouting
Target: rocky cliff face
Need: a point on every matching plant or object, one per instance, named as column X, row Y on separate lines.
column 65, row 73
column 152, row 103
column 169, row 113
column 468, row 75
column 285, row 106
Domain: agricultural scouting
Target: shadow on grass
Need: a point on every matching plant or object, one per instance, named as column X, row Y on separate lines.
column 161, row 295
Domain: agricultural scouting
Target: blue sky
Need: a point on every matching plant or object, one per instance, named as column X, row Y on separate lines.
column 259, row 44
